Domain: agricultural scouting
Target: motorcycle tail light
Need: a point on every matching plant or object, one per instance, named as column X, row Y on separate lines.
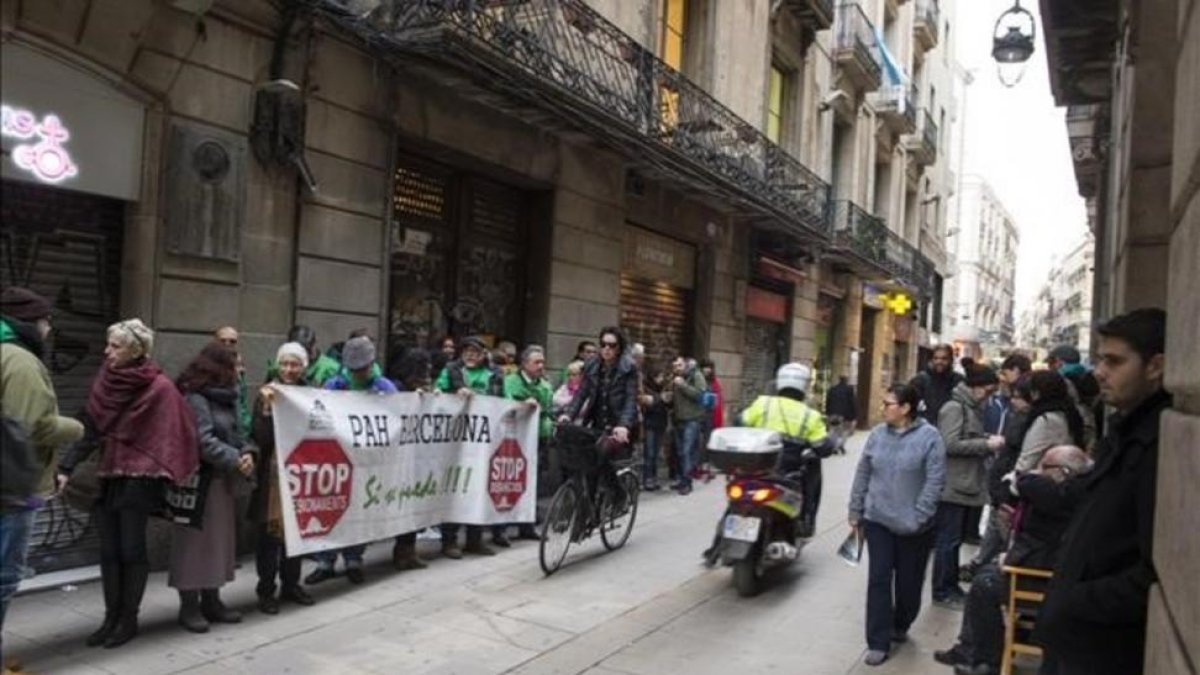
column 735, row 491
column 763, row 495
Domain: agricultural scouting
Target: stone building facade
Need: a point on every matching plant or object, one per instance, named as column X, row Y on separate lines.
column 979, row 301
column 528, row 171
column 1129, row 75
column 1062, row 311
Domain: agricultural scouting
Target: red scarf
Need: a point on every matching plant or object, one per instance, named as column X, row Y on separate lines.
column 148, row 428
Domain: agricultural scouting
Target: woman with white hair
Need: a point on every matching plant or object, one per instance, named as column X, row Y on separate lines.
column 146, row 434
column 266, row 506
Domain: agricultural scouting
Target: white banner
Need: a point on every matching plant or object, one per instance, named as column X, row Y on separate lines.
column 360, row 466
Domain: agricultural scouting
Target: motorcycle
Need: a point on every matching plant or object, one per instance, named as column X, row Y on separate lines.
column 762, row 527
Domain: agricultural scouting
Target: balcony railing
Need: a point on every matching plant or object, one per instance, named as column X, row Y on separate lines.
column 923, row 145
column 818, row 14
column 868, row 238
column 925, row 23
column 563, row 58
column 897, row 104
column 855, row 47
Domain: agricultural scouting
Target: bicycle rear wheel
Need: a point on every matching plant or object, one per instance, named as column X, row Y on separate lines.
column 558, row 527
column 619, row 511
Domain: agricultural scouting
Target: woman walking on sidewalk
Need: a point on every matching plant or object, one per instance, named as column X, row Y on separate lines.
column 203, row 559
column 266, row 509
column 147, row 438
column 896, row 488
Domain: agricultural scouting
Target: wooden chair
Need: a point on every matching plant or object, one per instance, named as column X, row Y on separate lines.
column 1013, row 617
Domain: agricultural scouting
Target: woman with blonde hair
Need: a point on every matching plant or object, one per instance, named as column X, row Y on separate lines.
column 147, row 439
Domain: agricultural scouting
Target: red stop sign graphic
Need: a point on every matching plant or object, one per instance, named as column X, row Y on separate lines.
column 319, row 476
column 508, row 475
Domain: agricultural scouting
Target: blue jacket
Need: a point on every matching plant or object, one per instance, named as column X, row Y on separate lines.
column 900, row 477
column 995, row 410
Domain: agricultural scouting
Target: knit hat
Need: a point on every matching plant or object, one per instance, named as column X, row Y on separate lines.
column 981, row 376
column 474, row 341
column 358, row 353
column 293, row 349
column 1066, row 354
column 23, row 304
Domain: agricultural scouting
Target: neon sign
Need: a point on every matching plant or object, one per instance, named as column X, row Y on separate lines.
column 46, row 159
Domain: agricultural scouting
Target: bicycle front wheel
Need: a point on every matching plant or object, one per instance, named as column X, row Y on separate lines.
column 558, row 527
column 618, row 511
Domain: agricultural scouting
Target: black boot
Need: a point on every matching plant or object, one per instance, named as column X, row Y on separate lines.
column 110, row 580
column 190, row 616
column 216, row 611
column 133, row 587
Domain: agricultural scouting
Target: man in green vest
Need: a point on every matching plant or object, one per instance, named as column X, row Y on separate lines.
column 529, row 384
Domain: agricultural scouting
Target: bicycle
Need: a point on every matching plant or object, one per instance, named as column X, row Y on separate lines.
column 588, row 501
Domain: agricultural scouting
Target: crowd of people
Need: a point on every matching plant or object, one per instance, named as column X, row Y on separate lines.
column 200, row 450
column 1064, row 458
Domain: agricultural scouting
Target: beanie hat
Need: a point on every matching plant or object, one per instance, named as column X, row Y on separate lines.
column 981, row 376
column 23, row 304
column 358, row 353
column 474, row 341
column 1066, row 354
column 293, row 349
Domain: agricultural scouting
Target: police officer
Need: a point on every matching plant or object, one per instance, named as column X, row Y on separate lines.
column 805, row 440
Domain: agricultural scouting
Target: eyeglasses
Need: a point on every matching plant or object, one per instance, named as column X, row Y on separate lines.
column 610, row 345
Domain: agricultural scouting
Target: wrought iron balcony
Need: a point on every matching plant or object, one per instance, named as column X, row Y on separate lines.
column 855, row 49
column 817, row 14
column 867, row 239
column 923, row 145
column 562, row 59
column 897, row 105
column 925, row 23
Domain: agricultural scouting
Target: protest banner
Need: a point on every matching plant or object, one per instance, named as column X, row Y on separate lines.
column 357, row 467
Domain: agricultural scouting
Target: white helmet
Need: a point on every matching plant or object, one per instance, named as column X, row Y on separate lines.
column 793, row 376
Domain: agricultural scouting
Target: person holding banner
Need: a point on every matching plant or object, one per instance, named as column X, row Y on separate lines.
column 529, row 385
column 270, row 557
column 413, row 373
column 467, row 376
column 203, row 559
column 359, row 373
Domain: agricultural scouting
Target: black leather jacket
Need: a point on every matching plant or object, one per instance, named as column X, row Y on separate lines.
column 614, row 405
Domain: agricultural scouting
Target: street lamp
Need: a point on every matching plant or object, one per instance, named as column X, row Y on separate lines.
column 1012, row 43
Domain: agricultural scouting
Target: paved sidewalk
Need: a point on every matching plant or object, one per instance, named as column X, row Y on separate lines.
column 648, row 609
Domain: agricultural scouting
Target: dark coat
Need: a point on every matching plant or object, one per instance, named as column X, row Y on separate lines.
column 656, row 415
column 1047, row 510
column 221, row 442
column 262, row 430
column 841, row 401
column 935, row 391
column 1006, row 461
column 1094, row 616
column 620, row 396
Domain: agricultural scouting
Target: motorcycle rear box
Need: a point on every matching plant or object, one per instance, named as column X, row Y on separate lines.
column 744, row 449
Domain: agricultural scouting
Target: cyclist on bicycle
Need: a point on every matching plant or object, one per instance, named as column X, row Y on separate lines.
column 607, row 397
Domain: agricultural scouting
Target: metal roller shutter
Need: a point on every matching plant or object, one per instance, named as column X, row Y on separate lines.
column 66, row 246
column 656, row 315
column 764, row 349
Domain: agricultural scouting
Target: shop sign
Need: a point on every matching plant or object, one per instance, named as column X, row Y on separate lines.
column 44, row 157
column 658, row 258
column 763, row 304
column 872, row 296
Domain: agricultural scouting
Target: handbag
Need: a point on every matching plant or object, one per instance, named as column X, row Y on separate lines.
column 185, row 503
column 82, row 490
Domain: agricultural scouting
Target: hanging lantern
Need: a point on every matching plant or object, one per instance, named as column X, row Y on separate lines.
column 1012, row 43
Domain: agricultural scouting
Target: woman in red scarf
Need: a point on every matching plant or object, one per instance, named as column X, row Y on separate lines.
column 147, row 439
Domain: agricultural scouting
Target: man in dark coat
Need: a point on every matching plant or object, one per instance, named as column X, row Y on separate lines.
column 1094, row 617
column 840, row 401
column 936, row 382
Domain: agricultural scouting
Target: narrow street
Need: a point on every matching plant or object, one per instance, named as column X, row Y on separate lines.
column 648, row 609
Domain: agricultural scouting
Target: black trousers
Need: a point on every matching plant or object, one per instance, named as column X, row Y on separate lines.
column 972, row 522
column 895, row 577
column 270, row 560
column 982, row 632
column 122, row 535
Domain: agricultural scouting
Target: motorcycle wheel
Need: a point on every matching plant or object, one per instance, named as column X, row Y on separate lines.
column 618, row 518
column 558, row 528
column 746, row 577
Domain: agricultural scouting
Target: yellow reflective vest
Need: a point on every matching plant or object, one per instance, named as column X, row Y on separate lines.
column 793, row 419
